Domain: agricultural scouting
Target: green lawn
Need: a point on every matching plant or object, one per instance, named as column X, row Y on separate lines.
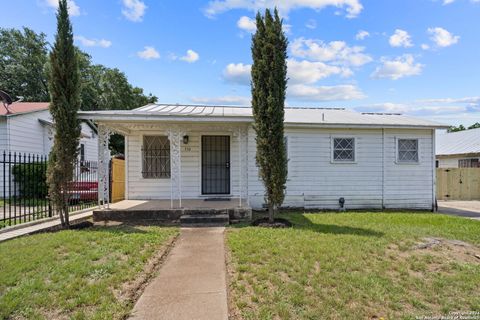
column 354, row 266
column 77, row 274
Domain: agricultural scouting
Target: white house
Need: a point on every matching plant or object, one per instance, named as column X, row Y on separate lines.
column 27, row 128
column 458, row 149
column 200, row 152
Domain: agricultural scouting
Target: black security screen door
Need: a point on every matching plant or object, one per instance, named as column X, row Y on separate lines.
column 215, row 164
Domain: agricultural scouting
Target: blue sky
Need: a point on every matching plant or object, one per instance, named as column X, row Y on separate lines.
column 417, row 57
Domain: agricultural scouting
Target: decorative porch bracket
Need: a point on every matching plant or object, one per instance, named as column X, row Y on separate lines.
column 175, row 136
column 103, row 166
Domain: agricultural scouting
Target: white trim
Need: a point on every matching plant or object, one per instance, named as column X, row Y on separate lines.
column 332, row 149
column 399, row 162
column 127, row 169
column 434, row 172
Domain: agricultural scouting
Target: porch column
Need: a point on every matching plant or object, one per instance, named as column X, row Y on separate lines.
column 175, row 136
column 241, row 135
column 103, row 166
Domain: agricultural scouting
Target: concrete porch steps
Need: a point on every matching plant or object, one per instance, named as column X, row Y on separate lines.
column 204, row 219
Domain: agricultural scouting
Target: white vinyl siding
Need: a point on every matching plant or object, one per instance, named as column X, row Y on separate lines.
column 375, row 181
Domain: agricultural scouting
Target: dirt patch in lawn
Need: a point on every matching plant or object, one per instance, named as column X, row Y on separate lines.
column 132, row 290
column 442, row 251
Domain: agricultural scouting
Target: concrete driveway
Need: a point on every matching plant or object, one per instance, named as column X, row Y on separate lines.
column 469, row 209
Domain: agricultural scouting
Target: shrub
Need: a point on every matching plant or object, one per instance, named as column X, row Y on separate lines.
column 31, row 179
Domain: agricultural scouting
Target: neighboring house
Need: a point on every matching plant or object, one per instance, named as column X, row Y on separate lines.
column 201, row 152
column 28, row 129
column 459, row 149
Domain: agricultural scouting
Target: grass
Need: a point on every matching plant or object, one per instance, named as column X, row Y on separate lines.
column 354, row 266
column 76, row 274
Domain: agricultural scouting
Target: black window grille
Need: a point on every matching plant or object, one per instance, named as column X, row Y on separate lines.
column 156, row 157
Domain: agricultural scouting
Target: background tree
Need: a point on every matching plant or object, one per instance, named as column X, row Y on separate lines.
column 65, row 89
column 23, row 56
column 461, row 127
column 24, row 71
column 269, row 84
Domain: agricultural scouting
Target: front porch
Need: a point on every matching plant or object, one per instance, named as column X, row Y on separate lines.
column 192, row 211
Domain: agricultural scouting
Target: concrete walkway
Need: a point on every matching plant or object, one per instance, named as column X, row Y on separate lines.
column 192, row 282
column 468, row 209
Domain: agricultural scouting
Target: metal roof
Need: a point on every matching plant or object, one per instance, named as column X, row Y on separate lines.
column 301, row 116
column 461, row 142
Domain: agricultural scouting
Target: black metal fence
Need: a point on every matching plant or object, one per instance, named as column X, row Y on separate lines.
column 24, row 190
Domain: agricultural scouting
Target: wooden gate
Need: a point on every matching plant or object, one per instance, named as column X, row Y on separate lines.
column 118, row 180
column 458, row 183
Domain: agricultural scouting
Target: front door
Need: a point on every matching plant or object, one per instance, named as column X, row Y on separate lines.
column 215, row 165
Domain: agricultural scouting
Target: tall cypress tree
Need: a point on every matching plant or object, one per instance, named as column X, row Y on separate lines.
column 64, row 87
column 269, row 84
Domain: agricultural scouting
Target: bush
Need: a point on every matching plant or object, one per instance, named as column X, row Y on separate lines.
column 31, row 179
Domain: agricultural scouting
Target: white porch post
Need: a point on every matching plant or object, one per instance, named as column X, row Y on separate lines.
column 241, row 133
column 103, row 166
column 175, row 136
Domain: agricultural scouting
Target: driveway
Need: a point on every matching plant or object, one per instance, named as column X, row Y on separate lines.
column 469, row 209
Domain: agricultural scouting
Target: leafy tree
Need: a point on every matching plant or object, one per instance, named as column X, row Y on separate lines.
column 269, row 83
column 65, row 90
column 455, row 129
column 462, row 127
column 476, row 125
column 23, row 56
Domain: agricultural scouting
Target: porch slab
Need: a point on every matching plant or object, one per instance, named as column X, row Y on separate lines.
column 161, row 210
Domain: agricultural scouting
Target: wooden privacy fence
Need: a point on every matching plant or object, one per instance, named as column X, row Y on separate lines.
column 458, row 183
column 118, row 179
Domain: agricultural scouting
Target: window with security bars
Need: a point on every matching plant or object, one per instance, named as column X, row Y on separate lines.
column 156, row 157
column 468, row 163
column 344, row 149
column 407, row 150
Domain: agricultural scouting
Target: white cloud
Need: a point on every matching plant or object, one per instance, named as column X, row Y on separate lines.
column 304, row 71
column 237, row 73
column 148, row 53
column 325, row 93
column 336, row 52
column 228, row 100
column 467, row 100
column 190, row 57
column 214, row 7
column 446, row 2
column 311, row 24
column 362, row 34
column 310, row 72
column 400, row 38
column 413, row 109
column 425, row 46
column 441, row 37
column 403, row 66
column 73, row 8
column 247, row 24
column 134, row 10
column 93, row 42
